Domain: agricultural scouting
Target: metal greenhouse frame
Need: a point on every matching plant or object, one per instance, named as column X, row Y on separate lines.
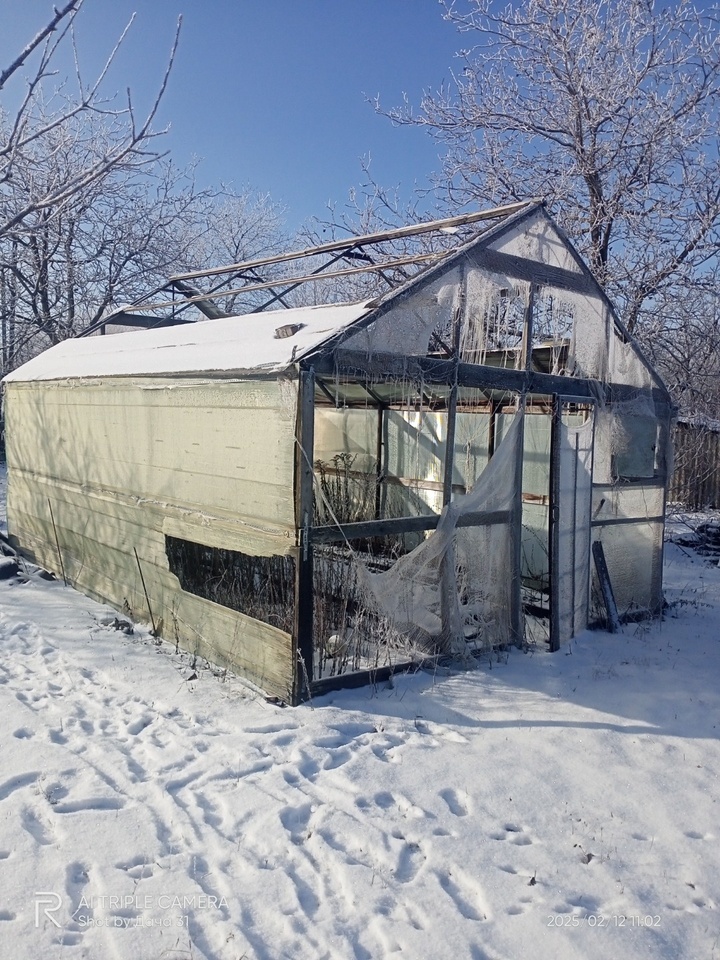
column 320, row 495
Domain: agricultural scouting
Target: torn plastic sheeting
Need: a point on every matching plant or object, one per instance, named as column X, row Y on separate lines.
column 409, row 594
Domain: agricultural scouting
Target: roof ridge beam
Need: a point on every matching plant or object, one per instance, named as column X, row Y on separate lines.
column 351, row 243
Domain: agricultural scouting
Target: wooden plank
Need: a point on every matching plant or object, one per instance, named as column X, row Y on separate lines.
column 516, row 613
column 554, row 524
column 413, row 483
column 380, row 459
column 492, row 428
column 453, row 398
column 449, row 619
column 515, row 530
column 359, row 678
column 621, row 521
column 447, row 486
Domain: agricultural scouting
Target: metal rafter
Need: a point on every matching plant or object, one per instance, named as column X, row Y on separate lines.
column 350, row 249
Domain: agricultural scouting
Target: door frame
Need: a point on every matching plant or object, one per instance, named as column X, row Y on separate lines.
column 554, row 547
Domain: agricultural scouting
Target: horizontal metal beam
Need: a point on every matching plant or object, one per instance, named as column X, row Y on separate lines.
column 431, row 370
column 290, row 282
column 622, row 521
column 353, row 363
column 126, row 319
column 339, row 533
column 361, row 678
column 412, row 230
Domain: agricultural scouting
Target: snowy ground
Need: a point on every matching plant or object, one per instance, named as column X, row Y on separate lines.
column 552, row 806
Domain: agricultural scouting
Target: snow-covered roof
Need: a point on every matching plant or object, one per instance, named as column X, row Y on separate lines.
column 243, row 344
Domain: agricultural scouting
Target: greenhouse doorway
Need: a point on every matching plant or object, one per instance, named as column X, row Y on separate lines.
column 571, row 469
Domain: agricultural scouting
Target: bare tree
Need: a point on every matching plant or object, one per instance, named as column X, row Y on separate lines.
column 683, row 342
column 112, row 242
column 369, row 209
column 74, row 218
column 606, row 108
column 239, row 226
column 47, row 110
column 244, row 225
column 107, row 244
column 92, row 213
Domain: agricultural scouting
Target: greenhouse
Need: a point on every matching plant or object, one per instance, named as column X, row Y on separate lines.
column 316, row 496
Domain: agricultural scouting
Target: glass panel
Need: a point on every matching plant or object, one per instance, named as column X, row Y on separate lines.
column 455, row 593
column 414, row 452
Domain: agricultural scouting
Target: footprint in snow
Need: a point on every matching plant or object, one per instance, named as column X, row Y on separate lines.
column 77, row 877
column 466, row 894
column 514, row 833
column 458, row 801
column 522, row 906
column 296, row 821
column 139, row 724
column 388, row 751
column 90, row 803
column 31, row 822
column 388, row 801
column 138, row 868
column 17, row 783
column 337, row 758
column 410, row 861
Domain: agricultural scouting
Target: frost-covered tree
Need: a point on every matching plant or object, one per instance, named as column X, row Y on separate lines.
column 113, row 242
column 239, row 225
column 92, row 213
column 606, row 108
column 684, row 345
column 371, row 208
column 106, row 244
column 72, row 156
column 49, row 108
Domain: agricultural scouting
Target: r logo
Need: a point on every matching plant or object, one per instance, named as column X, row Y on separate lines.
column 50, row 903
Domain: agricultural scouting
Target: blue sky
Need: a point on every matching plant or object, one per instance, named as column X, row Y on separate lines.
column 272, row 93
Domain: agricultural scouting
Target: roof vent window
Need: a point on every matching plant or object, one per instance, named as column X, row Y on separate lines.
column 289, row 330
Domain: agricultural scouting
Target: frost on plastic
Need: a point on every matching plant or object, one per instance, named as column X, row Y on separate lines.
column 522, row 520
column 454, row 589
column 450, row 594
column 633, row 461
